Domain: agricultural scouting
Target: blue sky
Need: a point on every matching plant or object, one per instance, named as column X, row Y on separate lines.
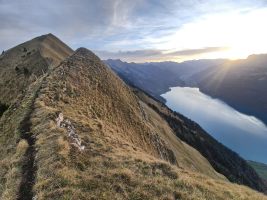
column 141, row 30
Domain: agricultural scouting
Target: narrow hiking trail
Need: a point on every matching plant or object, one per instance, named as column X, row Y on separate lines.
column 28, row 168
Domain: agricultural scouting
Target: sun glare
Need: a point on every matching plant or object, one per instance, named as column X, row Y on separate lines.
column 241, row 33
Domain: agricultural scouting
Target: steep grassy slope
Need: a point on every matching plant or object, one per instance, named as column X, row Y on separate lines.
column 221, row 158
column 79, row 132
column 122, row 156
column 22, row 69
column 19, row 144
column 260, row 168
column 14, row 143
column 85, row 85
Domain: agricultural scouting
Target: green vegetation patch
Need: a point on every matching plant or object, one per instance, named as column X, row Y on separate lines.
column 260, row 168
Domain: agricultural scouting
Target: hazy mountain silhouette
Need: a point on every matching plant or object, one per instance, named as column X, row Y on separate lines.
column 239, row 83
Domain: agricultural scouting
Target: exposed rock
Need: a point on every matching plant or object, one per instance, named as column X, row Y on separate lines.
column 161, row 146
column 73, row 136
column 143, row 112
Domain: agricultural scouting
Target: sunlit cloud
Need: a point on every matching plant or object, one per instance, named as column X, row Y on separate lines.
column 243, row 33
column 157, row 55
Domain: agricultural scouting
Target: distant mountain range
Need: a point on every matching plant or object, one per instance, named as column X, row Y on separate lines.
column 240, row 83
column 157, row 77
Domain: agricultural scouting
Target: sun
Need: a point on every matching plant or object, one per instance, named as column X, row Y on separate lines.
column 242, row 33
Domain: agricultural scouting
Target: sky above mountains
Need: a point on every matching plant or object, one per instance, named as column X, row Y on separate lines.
column 142, row 30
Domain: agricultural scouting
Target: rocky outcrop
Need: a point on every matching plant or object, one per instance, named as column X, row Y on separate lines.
column 72, row 135
column 162, row 148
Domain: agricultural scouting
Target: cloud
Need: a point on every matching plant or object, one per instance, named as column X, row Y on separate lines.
column 190, row 52
column 68, row 19
column 128, row 55
column 109, row 25
column 87, row 23
column 156, row 55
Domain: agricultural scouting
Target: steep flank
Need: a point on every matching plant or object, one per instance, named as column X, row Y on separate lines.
column 186, row 156
column 17, row 166
column 23, row 64
column 96, row 140
column 225, row 161
column 22, row 69
column 79, row 132
column 84, row 82
column 54, row 49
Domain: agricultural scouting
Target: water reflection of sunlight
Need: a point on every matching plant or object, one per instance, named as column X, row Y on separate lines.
column 232, row 128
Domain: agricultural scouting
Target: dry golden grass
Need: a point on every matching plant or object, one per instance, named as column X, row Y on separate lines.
column 18, row 90
column 120, row 160
column 12, row 173
column 37, row 56
column 12, row 147
column 102, row 172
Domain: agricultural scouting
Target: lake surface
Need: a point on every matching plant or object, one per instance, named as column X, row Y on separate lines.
column 244, row 134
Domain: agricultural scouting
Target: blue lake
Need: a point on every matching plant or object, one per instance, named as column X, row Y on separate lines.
column 244, row 134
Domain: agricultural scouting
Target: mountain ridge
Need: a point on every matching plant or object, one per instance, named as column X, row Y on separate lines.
column 23, row 64
column 82, row 133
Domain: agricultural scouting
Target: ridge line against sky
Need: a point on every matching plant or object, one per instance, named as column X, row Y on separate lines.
column 142, row 30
